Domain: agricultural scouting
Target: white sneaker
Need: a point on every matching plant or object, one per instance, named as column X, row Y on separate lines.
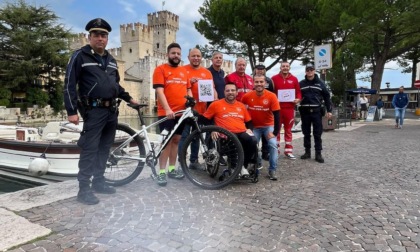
column 244, row 172
column 290, row 156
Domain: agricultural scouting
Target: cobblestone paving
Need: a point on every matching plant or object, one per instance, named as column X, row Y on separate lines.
column 365, row 197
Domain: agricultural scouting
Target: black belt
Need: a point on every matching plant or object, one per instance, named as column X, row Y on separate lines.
column 310, row 109
column 102, row 103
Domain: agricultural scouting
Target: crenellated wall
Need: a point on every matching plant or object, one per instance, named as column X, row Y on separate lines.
column 78, row 40
column 165, row 25
column 143, row 48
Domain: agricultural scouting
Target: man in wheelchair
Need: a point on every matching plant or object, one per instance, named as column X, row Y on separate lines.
column 232, row 115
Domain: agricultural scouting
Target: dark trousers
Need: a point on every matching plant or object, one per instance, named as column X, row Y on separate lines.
column 249, row 144
column 95, row 141
column 313, row 118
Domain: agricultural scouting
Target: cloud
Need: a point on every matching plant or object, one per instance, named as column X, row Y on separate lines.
column 127, row 7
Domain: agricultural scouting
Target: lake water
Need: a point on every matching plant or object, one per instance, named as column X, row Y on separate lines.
column 10, row 185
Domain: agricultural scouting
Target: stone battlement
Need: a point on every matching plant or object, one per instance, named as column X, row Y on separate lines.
column 163, row 19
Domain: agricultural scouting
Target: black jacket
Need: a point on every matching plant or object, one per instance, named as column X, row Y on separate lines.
column 314, row 93
column 96, row 77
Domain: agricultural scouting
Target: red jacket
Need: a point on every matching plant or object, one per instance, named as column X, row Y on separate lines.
column 244, row 83
column 290, row 82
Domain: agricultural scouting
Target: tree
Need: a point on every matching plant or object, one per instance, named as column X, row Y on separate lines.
column 258, row 29
column 409, row 61
column 33, row 48
column 383, row 30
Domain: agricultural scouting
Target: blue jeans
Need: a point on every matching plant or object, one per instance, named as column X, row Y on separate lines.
column 399, row 116
column 272, row 145
column 195, row 144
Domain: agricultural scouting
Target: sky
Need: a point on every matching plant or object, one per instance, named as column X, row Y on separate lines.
column 74, row 14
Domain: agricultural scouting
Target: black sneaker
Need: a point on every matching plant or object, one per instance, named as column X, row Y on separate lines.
column 161, row 179
column 319, row 158
column 194, row 166
column 176, row 174
column 272, row 175
column 87, row 197
column 103, row 188
column 222, row 161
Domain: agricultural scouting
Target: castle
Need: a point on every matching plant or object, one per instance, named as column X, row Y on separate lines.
column 143, row 48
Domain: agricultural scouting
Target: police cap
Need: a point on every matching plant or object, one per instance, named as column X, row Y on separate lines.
column 310, row 66
column 260, row 65
column 98, row 24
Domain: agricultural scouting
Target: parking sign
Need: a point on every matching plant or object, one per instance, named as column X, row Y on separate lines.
column 323, row 56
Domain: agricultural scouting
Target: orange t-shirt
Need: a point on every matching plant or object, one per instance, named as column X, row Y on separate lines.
column 229, row 116
column 200, row 74
column 260, row 107
column 174, row 81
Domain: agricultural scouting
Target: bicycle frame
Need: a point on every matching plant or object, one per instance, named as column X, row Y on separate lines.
column 185, row 114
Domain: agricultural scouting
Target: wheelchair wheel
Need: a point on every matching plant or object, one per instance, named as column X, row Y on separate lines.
column 218, row 162
column 121, row 169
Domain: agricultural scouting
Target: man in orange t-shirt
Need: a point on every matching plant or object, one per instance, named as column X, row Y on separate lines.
column 196, row 72
column 232, row 115
column 171, row 84
column 264, row 109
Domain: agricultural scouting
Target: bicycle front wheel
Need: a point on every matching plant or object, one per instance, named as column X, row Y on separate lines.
column 211, row 163
column 122, row 166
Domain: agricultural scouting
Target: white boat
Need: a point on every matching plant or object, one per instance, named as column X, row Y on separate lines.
column 56, row 142
column 50, row 153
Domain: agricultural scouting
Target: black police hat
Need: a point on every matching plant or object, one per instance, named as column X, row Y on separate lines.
column 98, row 24
column 310, row 66
column 260, row 65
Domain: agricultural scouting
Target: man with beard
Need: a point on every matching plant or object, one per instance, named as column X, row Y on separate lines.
column 171, row 84
column 285, row 80
column 243, row 81
column 232, row 115
column 264, row 109
column 91, row 87
column 195, row 73
column 314, row 94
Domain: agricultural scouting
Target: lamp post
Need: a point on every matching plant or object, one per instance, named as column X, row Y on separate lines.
column 387, row 84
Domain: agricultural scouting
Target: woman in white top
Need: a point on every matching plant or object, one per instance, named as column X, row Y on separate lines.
column 363, row 102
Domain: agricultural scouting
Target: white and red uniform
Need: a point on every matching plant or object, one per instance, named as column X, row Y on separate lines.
column 287, row 113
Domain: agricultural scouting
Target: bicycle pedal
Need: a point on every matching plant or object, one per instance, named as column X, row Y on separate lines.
column 153, row 176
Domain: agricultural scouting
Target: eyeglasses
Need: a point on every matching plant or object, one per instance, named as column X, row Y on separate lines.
column 310, row 70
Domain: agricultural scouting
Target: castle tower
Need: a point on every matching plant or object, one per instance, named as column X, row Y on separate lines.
column 165, row 24
column 136, row 42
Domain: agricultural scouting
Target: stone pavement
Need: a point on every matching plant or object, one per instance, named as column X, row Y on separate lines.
column 365, row 197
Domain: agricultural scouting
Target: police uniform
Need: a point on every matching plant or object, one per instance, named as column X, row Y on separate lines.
column 315, row 97
column 97, row 79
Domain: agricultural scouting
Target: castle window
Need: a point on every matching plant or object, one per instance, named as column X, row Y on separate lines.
column 157, row 45
column 130, row 50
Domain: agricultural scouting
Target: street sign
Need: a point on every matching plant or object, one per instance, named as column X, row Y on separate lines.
column 323, row 57
column 417, row 83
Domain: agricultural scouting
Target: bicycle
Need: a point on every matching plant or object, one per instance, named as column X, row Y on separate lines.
column 128, row 153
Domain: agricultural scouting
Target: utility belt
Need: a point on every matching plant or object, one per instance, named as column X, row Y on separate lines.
column 90, row 103
column 312, row 109
column 102, row 103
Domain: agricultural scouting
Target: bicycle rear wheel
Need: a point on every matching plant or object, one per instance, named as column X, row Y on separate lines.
column 121, row 170
column 219, row 162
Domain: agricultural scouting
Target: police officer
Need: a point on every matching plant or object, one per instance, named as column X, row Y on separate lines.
column 91, row 87
column 315, row 97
